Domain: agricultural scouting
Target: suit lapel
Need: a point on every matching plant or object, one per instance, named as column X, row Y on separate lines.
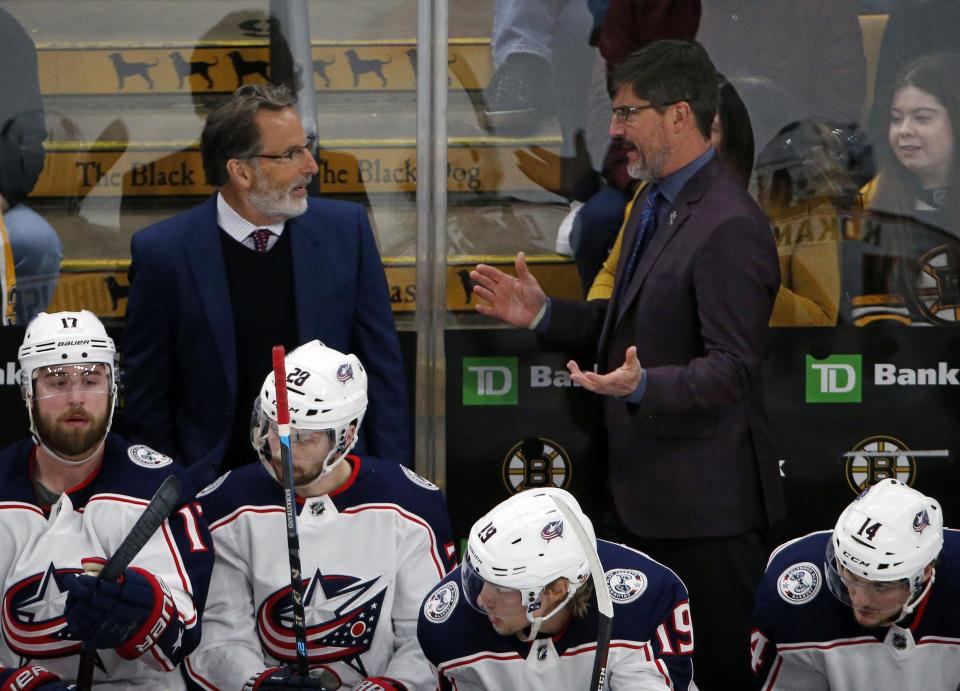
column 661, row 238
column 664, row 234
column 310, row 266
column 205, row 255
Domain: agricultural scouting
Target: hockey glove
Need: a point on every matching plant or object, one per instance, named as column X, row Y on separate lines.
column 31, row 678
column 379, row 684
column 129, row 614
column 289, row 679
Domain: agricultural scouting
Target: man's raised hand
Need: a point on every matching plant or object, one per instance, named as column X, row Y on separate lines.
column 514, row 300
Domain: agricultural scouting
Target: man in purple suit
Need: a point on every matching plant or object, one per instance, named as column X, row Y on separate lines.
column 257, row 264
column 692, row 466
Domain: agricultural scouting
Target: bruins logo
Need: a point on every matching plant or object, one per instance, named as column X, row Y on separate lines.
column 878, row 458
column 937, row 285
column 536, row 462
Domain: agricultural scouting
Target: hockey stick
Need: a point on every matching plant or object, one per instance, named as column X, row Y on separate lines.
column 604, row 604
column 163, row 502
column 290, row 503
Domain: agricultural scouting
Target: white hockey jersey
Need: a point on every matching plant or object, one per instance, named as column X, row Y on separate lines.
column 40, row 544
column 369, row 553
column 804, row 639
column 651, row 644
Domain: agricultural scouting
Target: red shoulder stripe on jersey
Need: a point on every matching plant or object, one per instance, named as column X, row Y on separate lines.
column 476, row 658
column 23, row 506
column 434, row 552
column 827, row 645
column 230, row 518
column 120, row 498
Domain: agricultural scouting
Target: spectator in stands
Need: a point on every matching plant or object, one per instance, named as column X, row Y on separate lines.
column 36, row 248
column 257, row 264
column 901, row 266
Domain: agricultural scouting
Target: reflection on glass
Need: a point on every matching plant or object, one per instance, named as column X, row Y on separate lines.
column 902, row 259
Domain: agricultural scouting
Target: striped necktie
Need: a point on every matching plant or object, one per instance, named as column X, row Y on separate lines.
column 647, row 216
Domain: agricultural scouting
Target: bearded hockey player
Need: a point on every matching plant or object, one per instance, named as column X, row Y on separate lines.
column 520, row 612
column 70, row 496
column 374, row 539
column 891, row 618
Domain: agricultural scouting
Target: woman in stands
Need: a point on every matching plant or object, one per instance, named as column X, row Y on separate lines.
column 912, row 207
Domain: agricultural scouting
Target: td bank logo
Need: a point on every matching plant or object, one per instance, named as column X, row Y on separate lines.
column 835, row 379
column 490, row 381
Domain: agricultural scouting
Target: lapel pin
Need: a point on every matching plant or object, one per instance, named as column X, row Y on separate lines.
column 673, row 217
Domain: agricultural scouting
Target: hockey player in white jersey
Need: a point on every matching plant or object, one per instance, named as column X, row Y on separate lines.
column 70, row 495
column 374, row 539
column 520, row 612
column 873, row 604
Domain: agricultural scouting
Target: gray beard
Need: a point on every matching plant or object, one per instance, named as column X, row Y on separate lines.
column 279, row 206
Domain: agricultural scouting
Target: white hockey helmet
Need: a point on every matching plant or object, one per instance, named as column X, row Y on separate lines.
column 326, row 390
column 523, row 544
column 65, row 338
column 890, row 533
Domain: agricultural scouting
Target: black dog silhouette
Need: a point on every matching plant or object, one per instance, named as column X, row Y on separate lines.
column 117, row 291
column 126, row 69
column 467, row 283
column 412, row 54
column 244, row 67
column 360, row 66
column 320, row 67
column 184, row 69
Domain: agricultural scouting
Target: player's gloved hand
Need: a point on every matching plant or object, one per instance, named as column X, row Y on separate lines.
column 289, row 679
column 129, row 614
column 380, row 684
column 31, row 678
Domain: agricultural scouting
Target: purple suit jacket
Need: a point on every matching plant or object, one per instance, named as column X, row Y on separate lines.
column 696, row 457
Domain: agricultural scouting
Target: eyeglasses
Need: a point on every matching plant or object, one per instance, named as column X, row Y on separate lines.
column 622, row 113
column 292, row 155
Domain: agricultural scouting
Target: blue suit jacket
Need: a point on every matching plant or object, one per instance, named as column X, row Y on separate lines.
column 179, row 345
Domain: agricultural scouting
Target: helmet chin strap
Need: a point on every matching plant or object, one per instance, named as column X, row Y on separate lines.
column 67, row 461
column 911, row 605
column 536, row 622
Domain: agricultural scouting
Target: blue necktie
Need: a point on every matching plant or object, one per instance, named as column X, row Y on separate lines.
column 647, row 216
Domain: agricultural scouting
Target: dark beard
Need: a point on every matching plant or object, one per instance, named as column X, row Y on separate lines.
column 69, row 442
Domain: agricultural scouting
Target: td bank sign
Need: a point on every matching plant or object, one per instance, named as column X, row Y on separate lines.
column 839, row 378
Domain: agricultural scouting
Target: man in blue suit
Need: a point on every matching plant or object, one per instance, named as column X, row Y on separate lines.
column 258, row 263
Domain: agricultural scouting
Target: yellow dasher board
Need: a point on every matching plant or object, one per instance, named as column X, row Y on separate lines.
column 480, row 165
column 176, row 68
column 101, row 285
